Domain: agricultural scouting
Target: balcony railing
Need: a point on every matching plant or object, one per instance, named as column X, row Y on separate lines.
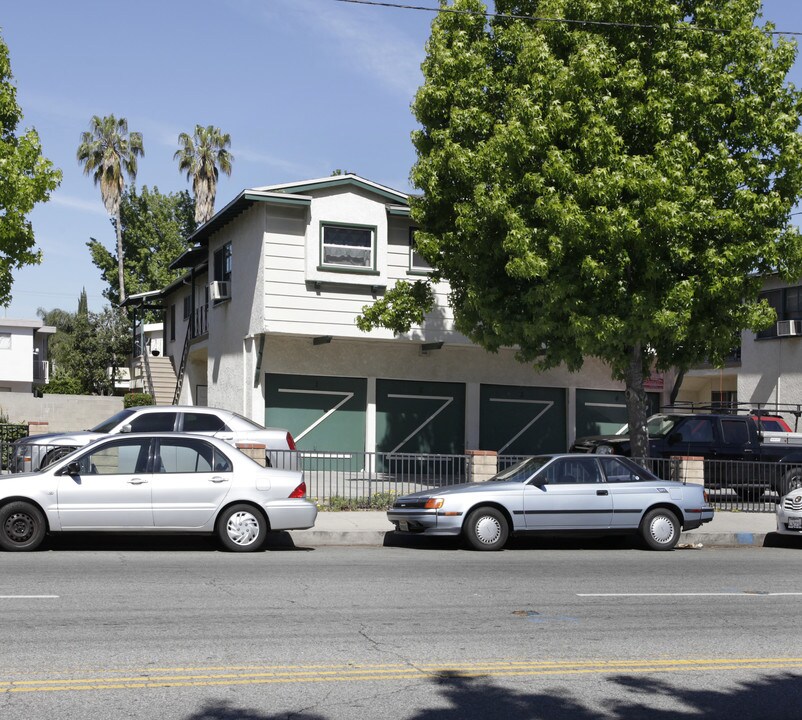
column 199, row 322
column 41, row 371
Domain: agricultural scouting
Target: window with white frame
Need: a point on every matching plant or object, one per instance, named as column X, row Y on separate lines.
column 187, row 306
column 417, row 263
column 348, row 246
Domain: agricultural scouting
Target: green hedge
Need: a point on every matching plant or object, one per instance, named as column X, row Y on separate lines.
column 137, row 399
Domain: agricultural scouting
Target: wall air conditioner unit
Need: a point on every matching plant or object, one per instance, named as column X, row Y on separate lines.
column 219, row 290
column 786, row 328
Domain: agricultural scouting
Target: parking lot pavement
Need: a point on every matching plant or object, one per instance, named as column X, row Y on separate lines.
column 363, row 527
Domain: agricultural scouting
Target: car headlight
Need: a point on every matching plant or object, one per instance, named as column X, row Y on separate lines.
column 434, row 503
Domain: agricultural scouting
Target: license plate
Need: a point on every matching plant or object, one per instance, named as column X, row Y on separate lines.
column 795, row 523
column 403, row 525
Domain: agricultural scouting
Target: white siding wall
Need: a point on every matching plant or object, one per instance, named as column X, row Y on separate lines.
column 292, row 303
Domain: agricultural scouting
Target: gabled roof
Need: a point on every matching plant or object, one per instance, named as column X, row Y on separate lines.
column 394, row 196
column 291, row 194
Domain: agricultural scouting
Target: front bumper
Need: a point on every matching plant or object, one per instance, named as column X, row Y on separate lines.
column 789, row 523
column 427, row 522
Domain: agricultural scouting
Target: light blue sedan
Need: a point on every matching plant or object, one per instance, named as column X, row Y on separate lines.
column 552, row 494
column 154, row 483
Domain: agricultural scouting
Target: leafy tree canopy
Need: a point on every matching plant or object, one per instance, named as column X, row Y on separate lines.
column 154, row 232
column 26, row 178
column 605, row 190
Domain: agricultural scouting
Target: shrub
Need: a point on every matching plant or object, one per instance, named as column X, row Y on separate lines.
column 137, row 399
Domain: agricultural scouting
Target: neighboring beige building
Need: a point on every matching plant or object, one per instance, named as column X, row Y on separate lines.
column 263, row 323
column 766, row 371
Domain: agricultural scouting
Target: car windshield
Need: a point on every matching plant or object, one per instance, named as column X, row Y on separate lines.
column 657, row 425
column 522, row 471
column 113, row 421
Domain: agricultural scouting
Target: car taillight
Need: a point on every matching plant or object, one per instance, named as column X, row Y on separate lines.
column 290, row 442
column 299, row 492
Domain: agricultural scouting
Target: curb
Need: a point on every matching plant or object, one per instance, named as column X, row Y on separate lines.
column 380, row 538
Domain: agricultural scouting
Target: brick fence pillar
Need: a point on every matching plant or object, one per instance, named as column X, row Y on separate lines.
column 482, row 464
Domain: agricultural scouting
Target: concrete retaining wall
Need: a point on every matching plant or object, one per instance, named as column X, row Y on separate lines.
column 61, row 413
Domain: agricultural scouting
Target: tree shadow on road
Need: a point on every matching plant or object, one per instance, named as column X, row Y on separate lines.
column 772, row 697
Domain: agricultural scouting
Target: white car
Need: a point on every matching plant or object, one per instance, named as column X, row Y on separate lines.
column 38, row 451
column 154, row 483
column 789, row 513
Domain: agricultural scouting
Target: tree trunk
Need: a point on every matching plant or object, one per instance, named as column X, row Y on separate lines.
column 119, row 228
column 636, row 404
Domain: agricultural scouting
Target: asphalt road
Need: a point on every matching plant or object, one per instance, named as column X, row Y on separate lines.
column 545, row 631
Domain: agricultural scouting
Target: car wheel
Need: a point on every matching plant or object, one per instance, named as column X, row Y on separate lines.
column 22, row 527
column 660, row 529
column 486, row 528
column 52, row 455
column 242, row 528
column 792, row 480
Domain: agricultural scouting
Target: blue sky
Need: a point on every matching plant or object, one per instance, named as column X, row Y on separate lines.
column 302, row 86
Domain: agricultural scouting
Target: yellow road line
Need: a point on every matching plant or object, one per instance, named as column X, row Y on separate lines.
column 237, row 675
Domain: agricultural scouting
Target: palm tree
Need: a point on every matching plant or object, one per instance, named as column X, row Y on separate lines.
column 107, row 151
column 202, row 157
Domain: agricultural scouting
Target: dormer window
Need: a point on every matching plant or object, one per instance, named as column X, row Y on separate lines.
column 348, row 246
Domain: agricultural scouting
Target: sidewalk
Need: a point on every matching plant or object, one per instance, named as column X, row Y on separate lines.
column 370, row 528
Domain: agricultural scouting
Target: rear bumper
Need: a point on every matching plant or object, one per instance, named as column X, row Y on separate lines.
column 694, row 520
column 291, row 514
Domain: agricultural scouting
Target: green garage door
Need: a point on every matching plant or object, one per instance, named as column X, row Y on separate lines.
column 420, row 417
column 604, row 412
column 522, row 420
column 322, row 413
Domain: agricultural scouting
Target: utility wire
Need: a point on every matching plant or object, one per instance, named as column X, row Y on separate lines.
column 565, row 21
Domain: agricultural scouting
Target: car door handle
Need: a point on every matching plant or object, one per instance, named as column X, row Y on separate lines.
column 218, row 479
column 137, row 481
column 602, row 492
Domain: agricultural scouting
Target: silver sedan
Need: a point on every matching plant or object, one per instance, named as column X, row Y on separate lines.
column 553, row 494
column 154, row 482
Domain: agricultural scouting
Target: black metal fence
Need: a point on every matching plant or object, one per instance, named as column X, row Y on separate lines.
column 371, row 480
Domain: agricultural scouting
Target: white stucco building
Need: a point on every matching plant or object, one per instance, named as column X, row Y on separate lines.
column 263, row 323
column 23, row 355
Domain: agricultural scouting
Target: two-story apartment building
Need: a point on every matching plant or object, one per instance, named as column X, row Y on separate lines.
column 263, row 323
column 23, row 354
column 766, row 370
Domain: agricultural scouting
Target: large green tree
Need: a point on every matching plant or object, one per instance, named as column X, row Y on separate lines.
column 108, row 152
column 87, row 350
column 154, row 228
column 202, row 156
column 610, row 185
column 26, row 178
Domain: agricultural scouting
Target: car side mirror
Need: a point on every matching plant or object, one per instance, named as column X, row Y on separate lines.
column 73, row 468
column 126, row 429
column 674, row 438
